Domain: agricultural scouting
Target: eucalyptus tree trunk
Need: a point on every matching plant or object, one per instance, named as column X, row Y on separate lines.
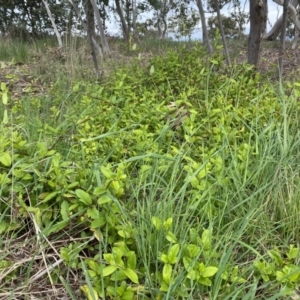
column 283, row 35
column 265, row 19
column 163, row 16
column 84, row 25
column 292, row 13
column 204, row 27
column 134, row 17
column 291, row 6
column 91, row 33
column 256, row 22
column 164, row 32
column 161, row 32
column 275, row 30
column 124, row 25
column 104, row 43
column 296, row 38
column 53, row 24
column 222, row 32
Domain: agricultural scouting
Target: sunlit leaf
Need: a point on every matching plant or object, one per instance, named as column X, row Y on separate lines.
column 118, row 275
column 90, row 294
column 164, row 258
column 5, row 117
column 293, row 252
column 93, row 212
column 209, row 271
column 167, row 273
column 164, row 287
column 156, row 222
column 275, row 255
column 98, row 222
column 106, row 172
column 193, row 250
column 4, row 98
column 187, row 262
column 64, row 210
column 104, row 199
column 206, row 239
column 128, row 295
column 173, row 252
column 3, row 226
column 56, row 227
column 131, row 274
column 171, row 237
column 131, row 260
column 84, row 197
column 152, row 70
column 168, row 223
column 124, row 233
column 204, row 281
column 5, row 159
column 50, row 196
column 108, row 270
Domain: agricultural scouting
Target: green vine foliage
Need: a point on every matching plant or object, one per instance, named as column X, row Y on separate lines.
column 182, row 112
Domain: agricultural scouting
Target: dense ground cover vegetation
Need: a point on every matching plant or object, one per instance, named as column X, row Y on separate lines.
column 174, row 180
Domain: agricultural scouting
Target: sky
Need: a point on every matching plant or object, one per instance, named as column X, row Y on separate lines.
column 275, row 11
